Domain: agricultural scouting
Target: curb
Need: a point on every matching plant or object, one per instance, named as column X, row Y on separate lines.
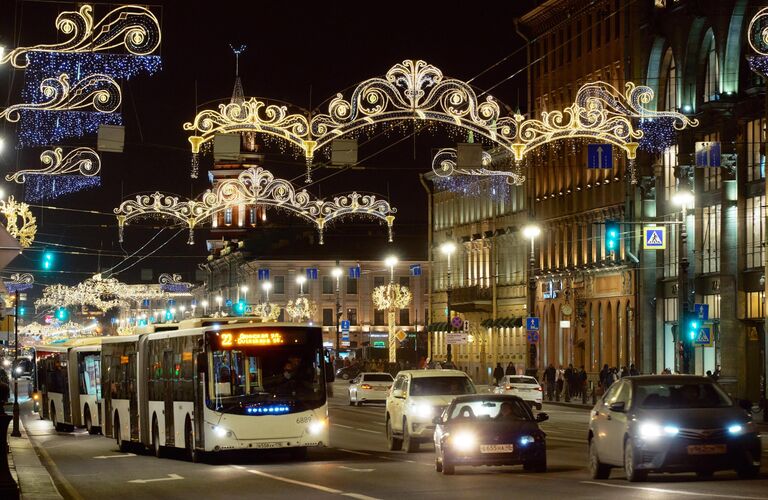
column 33, row 478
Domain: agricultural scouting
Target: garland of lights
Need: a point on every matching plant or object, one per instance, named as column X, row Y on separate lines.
column 83, row 160
column 391, row 297
column 415, row 90
column 301, row 309
column 444, row 165
column 47, row 187
column 254, row 186
column 19, row 282
column 14, row 212
column 172, row 283
column 267, row 311
column 132, row 27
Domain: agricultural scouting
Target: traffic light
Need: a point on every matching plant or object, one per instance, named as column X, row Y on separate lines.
column 47, row 261
column 612, row 233
column 692, row 325
column 240, row 307
column 22, row 310
column 62, row 314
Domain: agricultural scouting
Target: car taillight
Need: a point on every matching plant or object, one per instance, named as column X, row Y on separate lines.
column 538, row 388
column 365, row 386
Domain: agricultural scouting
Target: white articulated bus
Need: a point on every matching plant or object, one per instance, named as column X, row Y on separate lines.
column 215, row 385
column 69, row 382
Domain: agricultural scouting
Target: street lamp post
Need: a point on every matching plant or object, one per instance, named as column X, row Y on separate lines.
column 266, row 286
column 391, row 262
column 532, row 231
column 244, row 289
column 336, row 273
column 300, row 280
column 204, row 303
column 684, row 198
column 219, row 300
column 16, row 432
column 448, row 248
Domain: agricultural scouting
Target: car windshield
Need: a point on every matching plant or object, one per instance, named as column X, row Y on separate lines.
column 510, row 410
column 442, row 386
column 378, row 377
column 680, row 395
column 522, row 380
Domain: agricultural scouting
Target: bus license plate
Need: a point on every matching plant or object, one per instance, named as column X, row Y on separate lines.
column 268, row 445
column 707, row 449
column 497, row 448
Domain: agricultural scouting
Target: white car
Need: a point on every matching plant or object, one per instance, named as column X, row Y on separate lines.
column 369, row 387
column 416, row 398
column 526, row 388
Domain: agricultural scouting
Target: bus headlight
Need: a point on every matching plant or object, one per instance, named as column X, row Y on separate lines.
column 221, row 432
column 316, row 427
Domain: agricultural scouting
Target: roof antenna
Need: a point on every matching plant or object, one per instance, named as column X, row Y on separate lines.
column 237, row 51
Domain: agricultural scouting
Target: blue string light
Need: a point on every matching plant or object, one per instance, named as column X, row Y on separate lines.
column 658, row 134
column 49, row 187
column 758, row 64
column 44, row 128
column 497, row 187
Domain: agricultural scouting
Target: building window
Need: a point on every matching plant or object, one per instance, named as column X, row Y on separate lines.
column 713, row 301
column 669, row 162
column 228, row 216
column 405, row 317
column 328, row 284
column 278, row 285
column 712, row 177
column 670, row 309
column 352, row 316
column 560, row 47
column 598, row 32
column 327, row 317
column 710, row 251
column 405, row 281
column 544, row 55
column 712, row 74
column 352, row 286
column 756, row 149
column 670, row 82
column 552, row 61
column 671, row 252
column 378, row 281
column 756, row 305
column 608, row 29
column 378, row 318
column 755, row 227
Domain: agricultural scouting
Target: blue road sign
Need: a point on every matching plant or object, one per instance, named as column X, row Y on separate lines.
column 311, row 273
column 415, row 269
column 345, row 325
column 707, row 154
column 533, row 337
column 599, row 156
column 704, row 336
column 263, row 274
column 354, row 272
column 532, row 323
column 654, row 238
column 701, row 310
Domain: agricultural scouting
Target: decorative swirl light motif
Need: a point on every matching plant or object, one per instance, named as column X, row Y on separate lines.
column 97, row 91
column 14, row 212
column 444, row 165
column 130, row 26
column 415, row 90
column 254, row 186
column 19, row 282
column 172, row 283
column 757, row 32
column 301, row 309
column 101, row 293
column 391, row 296
column 86, row 161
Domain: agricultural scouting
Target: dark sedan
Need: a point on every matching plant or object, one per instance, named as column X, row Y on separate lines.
column 348, row 372
column 671, row 423
column 489, row 430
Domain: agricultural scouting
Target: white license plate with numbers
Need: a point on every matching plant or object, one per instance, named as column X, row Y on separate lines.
column 497, row 448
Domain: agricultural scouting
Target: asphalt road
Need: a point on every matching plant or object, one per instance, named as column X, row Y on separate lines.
column 358, row 466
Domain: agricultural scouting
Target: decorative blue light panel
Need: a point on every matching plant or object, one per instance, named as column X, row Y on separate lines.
column 49, row 187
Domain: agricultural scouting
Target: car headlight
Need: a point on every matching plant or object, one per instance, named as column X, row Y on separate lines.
column 316, row 427
column 423, row 410
column 652, row 430
column 463, row 441
column 526, row 440
column 741, row 429
column 221, row 431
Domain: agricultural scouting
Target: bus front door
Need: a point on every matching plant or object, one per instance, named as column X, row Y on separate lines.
column 168, row 397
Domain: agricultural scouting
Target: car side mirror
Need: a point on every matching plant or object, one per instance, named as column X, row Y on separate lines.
column 437, row 420
column 618, row 406
column 398, row 393
column 542, row 417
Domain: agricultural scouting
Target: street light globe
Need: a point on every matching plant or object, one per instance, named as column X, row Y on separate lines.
column 301, row 279
column 219, row 299
column 336, row 272
column 266, row 286
column 244, row 288
column 182, row 309
column 391, row 261
column 531, row 231
column 173, row 310
column 683, row 198
column 448, row 248
column 204, row 303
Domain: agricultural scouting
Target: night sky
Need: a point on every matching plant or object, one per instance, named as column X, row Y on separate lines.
column 297, row 52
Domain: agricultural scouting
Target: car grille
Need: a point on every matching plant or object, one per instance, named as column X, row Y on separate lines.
column 702, row 434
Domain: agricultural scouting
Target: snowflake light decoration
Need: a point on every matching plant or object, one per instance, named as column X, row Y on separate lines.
column 301, row 309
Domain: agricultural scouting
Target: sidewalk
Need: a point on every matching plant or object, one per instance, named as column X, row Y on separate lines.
column 32, row 477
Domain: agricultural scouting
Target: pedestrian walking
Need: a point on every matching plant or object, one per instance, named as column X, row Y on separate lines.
column 498, row 373
column 510, row 370
column 549, row 379
column 633, row 371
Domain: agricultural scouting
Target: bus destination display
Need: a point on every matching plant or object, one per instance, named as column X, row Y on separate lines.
column 241, row 339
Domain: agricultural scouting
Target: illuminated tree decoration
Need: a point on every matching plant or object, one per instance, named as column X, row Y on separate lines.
column 132, row 27
column 267, row 311
column 254, row 186
column 415, row 90
column 301, row 309
column 173, row 283
column 391, row 297
column 19, row 282
column 19, row 221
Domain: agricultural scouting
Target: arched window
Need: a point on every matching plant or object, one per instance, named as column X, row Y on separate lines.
column 712, row 73
column 669, row 82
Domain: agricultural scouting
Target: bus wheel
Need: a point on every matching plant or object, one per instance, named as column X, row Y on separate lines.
column 189, row 443
column 156, row 448
column 122, row 446
column 89, row 422
column 56, row 425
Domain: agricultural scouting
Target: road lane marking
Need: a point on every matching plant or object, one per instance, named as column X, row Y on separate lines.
column 171, row 477
column 666, row 490
column 366, row 430
column 344, row 426
column 354, row 452
column 117, row 456
column 355, row 470
column 318, row 487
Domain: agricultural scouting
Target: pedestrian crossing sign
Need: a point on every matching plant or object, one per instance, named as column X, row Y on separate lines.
column 704, row 337
column 654, row 238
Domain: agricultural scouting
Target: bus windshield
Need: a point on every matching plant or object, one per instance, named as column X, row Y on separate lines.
column 260, row 379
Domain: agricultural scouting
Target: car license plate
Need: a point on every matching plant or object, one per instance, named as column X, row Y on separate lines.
column 497, row 448
column 707, row 449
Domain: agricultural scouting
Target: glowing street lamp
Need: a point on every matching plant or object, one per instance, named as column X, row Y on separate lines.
column 244, row 289
column 391, row 262
column 266, row 286
column 531, row 231
column 448, row 248
column 205, row 307
column 219, row 300
column 336, row 272
column 300, row 280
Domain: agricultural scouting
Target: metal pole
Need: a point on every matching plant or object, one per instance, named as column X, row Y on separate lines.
column 16, row 432
column 532, row 354
column 338, row 318
column 682, row 300
column 448, row 348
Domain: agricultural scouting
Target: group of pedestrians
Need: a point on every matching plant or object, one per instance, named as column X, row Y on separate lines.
column 610, row 375
column 564, row 383
column 499, row 372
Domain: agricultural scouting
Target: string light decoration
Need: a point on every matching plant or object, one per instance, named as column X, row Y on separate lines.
column 132, row 27
column 391, row 297
column 46, row 187
column 301, row 309
column 19, row 282
column 173, row 283
column 254, row 186
column 19, row 221
column 86, row 161
column 444, row 165
column 757, row 35
column 417, row 91
column 658, row 134
column 102, row 293
column 267, row 311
